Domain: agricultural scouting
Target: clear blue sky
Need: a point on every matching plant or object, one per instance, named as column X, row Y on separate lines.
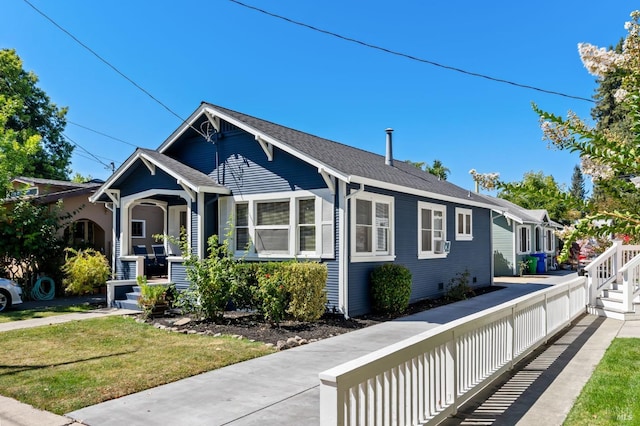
column 185, row 52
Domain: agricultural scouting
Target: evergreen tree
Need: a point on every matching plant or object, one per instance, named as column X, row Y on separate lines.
column 577, row 184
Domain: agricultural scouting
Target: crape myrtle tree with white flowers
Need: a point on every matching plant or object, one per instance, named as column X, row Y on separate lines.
column 610, row 155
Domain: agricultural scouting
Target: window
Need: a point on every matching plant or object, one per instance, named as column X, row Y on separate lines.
column 272, row 227
column 549, row 243
column 432, row 230
column 524, row 239
column 538, row 239
column 464, row 225
column 242, row 226
column 307, row 225
column 289, row 224
column 138, row 228
column 372, row 232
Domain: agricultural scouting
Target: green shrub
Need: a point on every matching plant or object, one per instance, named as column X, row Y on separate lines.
column 154, row 297
column 211, row 280
column 273, row 295
column 390, row 288
column 244, row 288
column 84, row 270
column 306, row 285
column 459, row 288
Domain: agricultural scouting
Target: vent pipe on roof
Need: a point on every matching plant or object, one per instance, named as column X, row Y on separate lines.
column 388, row 160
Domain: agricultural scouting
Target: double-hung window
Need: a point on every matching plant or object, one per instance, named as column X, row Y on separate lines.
column 138, row 228
column 272, row 227
column 538, row 239
column 464, row 225
column 549, row 241
column 289, row 224
column 432, row 230
column 524, row 239
column 372, row 227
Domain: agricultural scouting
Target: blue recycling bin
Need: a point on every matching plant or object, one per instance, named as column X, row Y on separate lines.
column 541, row 267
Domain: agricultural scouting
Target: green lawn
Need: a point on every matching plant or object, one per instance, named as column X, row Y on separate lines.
column 610, row 397
column 61, row 368
column 18, row 315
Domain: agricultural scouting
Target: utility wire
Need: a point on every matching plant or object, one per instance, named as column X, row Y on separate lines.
column 407, row 56
column 88, row 152
column 107, row 63
column 103, row 134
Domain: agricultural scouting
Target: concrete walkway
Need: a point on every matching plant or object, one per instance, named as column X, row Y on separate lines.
column 283, row 388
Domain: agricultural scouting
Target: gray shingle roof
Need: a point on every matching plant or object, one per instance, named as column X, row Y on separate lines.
column 193, row 176
column 352, row 161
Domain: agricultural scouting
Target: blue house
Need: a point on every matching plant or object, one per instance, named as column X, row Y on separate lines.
column 289, row 194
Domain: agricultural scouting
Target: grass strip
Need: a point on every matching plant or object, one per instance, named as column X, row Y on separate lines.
column 65, row 367
column 610, row 397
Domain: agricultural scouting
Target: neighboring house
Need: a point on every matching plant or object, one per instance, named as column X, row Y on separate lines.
column 519, row 233
column 292, row 195
column 91, row 224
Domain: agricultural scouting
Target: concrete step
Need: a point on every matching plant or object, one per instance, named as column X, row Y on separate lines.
column 133, row 296
column 127, row 304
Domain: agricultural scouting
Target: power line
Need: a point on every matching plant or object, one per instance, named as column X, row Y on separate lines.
column 103, row 134
column 96, row 158
column 107, row 63
column 407, row 56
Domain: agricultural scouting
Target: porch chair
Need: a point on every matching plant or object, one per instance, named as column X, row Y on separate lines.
column 161, row 257
column 150, row 266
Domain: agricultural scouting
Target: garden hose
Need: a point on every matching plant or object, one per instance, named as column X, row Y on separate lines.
column 38, row 292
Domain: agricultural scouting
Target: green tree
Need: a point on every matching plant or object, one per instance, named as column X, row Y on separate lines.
column 538, row 191
column 577, row 184
column 27, row 114
column 609, row 151
column 437, row 169
column 78, row 178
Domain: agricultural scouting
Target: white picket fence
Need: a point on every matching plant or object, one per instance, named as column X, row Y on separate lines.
column 424, row 379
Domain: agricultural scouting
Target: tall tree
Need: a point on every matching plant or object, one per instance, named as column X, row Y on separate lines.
column 609, row 151
column 538, row 191
column 27, row 112
column 438, row 169
column 577, row 184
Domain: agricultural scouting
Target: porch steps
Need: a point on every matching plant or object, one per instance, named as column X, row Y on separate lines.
column 131, row 302
column 610, row 305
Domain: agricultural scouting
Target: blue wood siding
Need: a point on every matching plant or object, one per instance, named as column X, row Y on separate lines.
column 333, row 266
column 140, row 179
column 429, row 276
column 179, row 275
column 128, row 268
column 503, row 249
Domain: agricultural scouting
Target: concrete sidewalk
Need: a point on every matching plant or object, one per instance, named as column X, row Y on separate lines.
column 283, row 388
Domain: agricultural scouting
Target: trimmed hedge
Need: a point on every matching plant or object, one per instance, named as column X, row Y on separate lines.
column 390, row 288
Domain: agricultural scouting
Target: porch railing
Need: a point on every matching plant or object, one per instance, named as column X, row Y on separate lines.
column 427, row 377
column 630, row 282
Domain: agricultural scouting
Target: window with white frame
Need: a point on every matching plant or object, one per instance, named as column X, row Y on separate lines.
column 138, row 228
column 432, row 220
column 549, row 242
column 290, row 224
column 538, row 239
column 372, row 227
column 524, row 239
column 272, row 227
column 464, row 224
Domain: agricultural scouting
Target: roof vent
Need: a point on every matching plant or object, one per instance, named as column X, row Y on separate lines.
column 388, row 160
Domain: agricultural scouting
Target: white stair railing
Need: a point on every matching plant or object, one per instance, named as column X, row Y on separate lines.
column 603, row 270
column 630, row 282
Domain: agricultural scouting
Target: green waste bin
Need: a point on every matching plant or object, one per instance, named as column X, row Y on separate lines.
column 533, row 263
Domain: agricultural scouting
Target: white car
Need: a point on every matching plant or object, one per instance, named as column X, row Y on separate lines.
column 10, row 293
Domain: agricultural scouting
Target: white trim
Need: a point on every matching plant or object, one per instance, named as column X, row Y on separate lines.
column 419, row 192
column 343, row 256
column 387, row 256
column 465, row 213
column 423, row 205
column 518, row 239
column 266, row 147
column 546, row 239
column 328, row 180
column 201, row 243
